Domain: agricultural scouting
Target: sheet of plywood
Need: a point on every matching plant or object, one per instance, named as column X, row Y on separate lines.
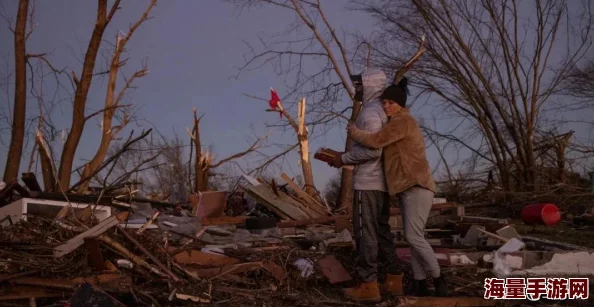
column 268, row 205
column 308, row 201
column 299, row 204
column 264, row 193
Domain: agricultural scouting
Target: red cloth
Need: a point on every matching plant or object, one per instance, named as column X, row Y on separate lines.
column 274, row 100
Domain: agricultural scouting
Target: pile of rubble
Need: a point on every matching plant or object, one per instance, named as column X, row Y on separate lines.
column 278, row 247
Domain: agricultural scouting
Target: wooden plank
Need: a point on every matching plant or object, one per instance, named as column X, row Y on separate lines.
column 268, row 196
column 206, row 259
column 265, row 202
column 305, row 222
column 94, row 257
column 308, row 201
column 27, row 292
column 31, row 182
column 228, row 269
column 299, row 204
column 224, row 220
column 98, row 229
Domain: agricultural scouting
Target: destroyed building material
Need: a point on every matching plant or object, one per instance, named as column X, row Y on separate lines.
column 224, row 220
column 31, row 182
column 306, row 222
column 280, row 204
column 127, row 253
column 87, row 294
column 209, row 204
column 27, row 292
column 49, row 208
column 94, row 257
column 148, row 254
column 307, row 199
column 204, row 258
column 509, row 233
column 561, row 245
column 97, row 230
column 333, row 270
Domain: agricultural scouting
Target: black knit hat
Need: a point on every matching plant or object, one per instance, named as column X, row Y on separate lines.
column 397, row 93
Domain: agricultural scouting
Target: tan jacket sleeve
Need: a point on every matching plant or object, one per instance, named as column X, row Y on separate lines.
column 390, row 133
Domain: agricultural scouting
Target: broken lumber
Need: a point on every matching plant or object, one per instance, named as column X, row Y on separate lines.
column 205, row 259
column 27, row 292
column 494, row 236
column 70, row 284
column 308, row 200
column 146, row 252
column 31, row 182
column 98, row 229
column 139, row 261
column 228, row 269
column 305, row 222
column 94, row 256
column 224, row 220
column 278, row 205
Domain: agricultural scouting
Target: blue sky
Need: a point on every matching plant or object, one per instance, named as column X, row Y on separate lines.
column 193, row 49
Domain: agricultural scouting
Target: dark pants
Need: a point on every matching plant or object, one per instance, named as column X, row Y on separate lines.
column 375, row 242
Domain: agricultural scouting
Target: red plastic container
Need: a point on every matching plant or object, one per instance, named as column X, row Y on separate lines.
column 546, row 214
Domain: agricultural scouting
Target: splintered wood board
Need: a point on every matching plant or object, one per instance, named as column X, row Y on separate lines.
column 299, row 204
column 266, row 194
column 308, row 201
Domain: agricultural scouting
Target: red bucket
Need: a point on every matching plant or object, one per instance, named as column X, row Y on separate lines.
column 546, row 214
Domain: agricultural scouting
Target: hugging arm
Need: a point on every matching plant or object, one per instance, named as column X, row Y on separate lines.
column 359, row 154
column 390, row 133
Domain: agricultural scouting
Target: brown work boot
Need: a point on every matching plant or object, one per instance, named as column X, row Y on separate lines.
column 393, row 284
column 364, row 292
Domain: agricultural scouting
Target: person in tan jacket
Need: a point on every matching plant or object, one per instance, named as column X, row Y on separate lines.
column 409, row 179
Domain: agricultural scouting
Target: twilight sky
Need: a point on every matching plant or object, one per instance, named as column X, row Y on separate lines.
column 194, row 49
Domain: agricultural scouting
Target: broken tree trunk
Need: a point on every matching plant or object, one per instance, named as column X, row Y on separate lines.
column 113, row 102
column 203, row 163
column 302, row 136
column 82, row 90
column 15, row 150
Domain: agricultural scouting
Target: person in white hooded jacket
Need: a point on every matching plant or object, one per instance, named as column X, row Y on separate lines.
column 371, row 201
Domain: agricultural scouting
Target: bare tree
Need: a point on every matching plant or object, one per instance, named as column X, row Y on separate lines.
column 113, row 102
column 15, row 151
column 82, row 86
column 204, row 162
column 495, row 66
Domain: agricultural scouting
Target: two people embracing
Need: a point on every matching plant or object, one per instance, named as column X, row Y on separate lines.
column 390, row 163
